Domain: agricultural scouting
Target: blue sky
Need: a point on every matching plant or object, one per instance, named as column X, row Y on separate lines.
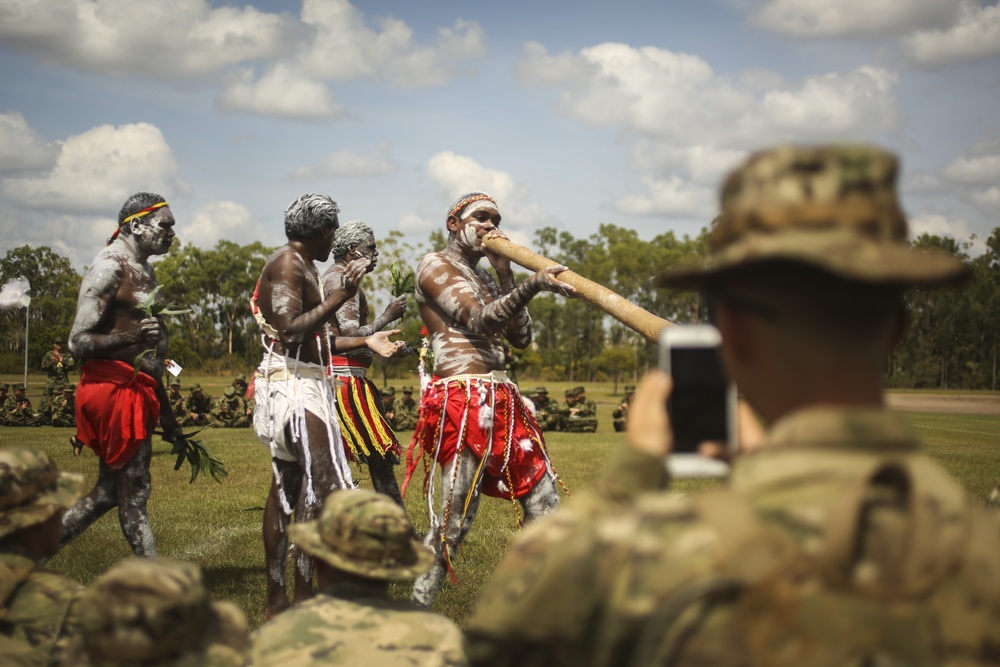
column 571, row 114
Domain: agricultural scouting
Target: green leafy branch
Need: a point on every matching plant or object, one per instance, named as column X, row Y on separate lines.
column 401, row 284
column 152, row 307
column 201, row 460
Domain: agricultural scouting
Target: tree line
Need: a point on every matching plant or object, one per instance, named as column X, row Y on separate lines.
column 952, row 341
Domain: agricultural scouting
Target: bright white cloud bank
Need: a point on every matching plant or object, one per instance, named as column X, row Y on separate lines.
column 21, row 149
column 189, row 40
column 221, row 220
column 348, row 164
column 98, row 169
column 690, row 124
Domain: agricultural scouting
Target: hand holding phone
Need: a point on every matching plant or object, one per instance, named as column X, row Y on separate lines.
column 702, row 405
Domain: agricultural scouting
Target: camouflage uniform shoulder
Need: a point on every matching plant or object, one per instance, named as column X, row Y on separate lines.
column 42, row 608
column 330, row 631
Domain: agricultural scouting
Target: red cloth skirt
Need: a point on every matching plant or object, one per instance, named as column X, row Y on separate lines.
column 114, row 410
column 490, row 419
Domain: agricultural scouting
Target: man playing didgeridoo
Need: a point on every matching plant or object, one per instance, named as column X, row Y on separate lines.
column 473, row 420
column 366, row 434
column 296, row 407
column 118, row 405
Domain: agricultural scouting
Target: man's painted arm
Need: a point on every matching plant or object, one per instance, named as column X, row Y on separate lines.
column 452, row 291
column 97, row 295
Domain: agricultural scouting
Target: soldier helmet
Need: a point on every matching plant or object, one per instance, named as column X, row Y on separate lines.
column 831, row 207
column 229, row 391
column 32, row 489
column 157, row 612
column 364, row 533
column 388, row 391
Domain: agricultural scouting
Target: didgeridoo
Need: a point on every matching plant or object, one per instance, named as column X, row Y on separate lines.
column 638, row 319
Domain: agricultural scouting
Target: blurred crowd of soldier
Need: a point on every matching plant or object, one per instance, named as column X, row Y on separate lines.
column 577, row 415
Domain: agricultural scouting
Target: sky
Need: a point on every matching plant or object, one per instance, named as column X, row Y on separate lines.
column 572, row 114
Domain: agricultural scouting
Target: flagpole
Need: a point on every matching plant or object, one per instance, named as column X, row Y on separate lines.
column 27, row 313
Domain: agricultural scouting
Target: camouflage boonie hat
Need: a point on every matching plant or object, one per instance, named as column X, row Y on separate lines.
column 59, row 341
column 32, row 489
column 20, row 386
column 629, row 388
column 407, row 390
column 364, row 533
column 157, row 612
column 229, row 391
column 388, row 391
column 5, row 386
column 175, row 383
column 541, row 390
column 831, row 207
column 570, row 392
column 194, row 388
column 579, row 390
column 70, row 388
column 241, row 378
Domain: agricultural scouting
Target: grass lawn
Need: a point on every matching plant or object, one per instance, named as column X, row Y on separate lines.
column 218, row 526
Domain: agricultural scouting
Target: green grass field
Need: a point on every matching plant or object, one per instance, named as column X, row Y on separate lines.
column 218, row 526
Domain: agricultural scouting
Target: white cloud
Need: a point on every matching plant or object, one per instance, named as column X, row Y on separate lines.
column 348, row 164
column 98, row 169
column 164, row 39
column 415, row 223
column 345, row 48
column 936, row 224
column 282, row 92
column 269, row 63
column 669, row 196
column 457, row 174
column 978, row 170
column 856, row 103
column 690, row 125
column 977, row 176
column 975, row 36
column 853, row 18
column 221, row 220
column 22, row 151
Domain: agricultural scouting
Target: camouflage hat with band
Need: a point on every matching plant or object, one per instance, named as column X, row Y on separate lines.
column 364, row 533
column 240, row 378
column 32, row 489
column 229, row 391
column 388, row 391
column 832, row 207
column 157, row 612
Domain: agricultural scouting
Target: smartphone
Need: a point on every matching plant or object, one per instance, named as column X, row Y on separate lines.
column 702, row 405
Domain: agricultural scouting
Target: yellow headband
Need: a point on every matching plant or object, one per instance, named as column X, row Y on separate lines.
column 135, row 216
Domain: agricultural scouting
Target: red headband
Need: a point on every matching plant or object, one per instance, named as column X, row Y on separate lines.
column 468, row 200
column 135, row 216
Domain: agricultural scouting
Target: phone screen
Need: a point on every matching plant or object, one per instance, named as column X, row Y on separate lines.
column 698, row 404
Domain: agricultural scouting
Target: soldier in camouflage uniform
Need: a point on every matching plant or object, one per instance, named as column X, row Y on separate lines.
column 197, row 408
column 620, row 414
column 6, row 403
column 178, row 404
column 548, row 412
column 64, row 408
column 38, row 612
column 157, row 613
column 582, row 415
column 21, row 413
column 389, row 403
column 361, row 542
column 240, row 384
column 231, row 410
column 838, row 542
column 57, row 363
column 406, row 411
